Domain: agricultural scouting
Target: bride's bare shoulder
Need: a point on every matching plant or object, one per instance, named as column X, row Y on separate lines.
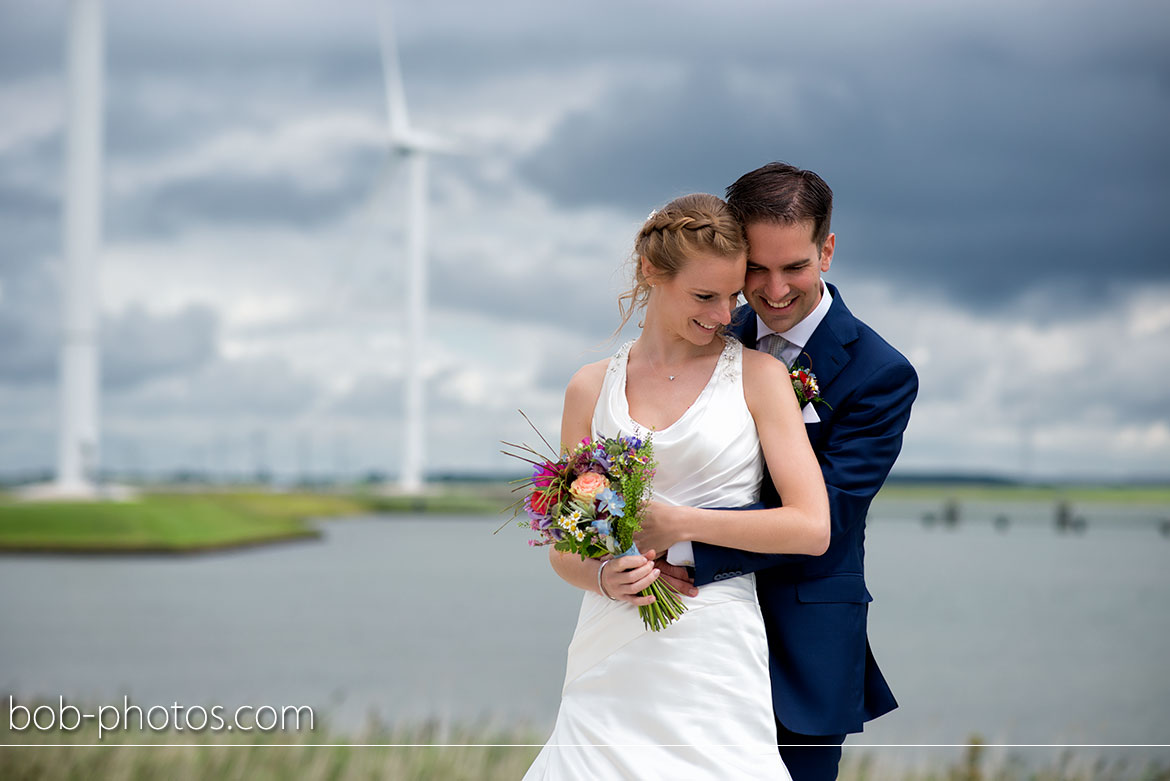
column 763, row 377
column 580, row 399
column 762, row 366
column 586, row 383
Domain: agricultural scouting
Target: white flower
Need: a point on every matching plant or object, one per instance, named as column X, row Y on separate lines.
column 569, row 522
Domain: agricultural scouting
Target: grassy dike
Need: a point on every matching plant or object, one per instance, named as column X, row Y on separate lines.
column 192, row 522
column 1090, row 494
column 198, row 522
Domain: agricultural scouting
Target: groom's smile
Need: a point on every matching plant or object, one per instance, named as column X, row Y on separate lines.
column 784, row 269
column 778, row 305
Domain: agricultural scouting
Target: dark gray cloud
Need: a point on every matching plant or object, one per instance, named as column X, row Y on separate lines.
column 980, row 178
column 371, row 395
column 471, row 284
column 138, row 346
column 1009, row 163
column 264, row 388
column 30, row 204
column 29, row 323
column 22, row 205
column 227, row 200
column 630, row 152
column 379, row 396
column 28, row 354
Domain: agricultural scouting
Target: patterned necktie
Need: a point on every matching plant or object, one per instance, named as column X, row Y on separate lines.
column 774, row 345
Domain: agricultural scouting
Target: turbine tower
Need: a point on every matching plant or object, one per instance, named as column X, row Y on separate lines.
column 413, row 147
column 77, row 455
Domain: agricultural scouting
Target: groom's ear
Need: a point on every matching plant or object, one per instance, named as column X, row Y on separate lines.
column 827, row 252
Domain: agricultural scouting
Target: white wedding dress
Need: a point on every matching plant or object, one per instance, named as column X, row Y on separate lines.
column 694, row 700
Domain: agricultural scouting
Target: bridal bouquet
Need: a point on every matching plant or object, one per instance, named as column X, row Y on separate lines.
column 588, row 501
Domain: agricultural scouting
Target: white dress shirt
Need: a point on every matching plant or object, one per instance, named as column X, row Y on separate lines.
column 799, row 334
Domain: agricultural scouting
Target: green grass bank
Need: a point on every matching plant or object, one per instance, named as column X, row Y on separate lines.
column 190, row 522
column 193, row 521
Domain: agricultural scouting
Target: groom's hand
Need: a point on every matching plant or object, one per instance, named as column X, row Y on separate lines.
column 677, row 578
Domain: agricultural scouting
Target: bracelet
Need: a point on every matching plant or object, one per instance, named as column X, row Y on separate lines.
column 600, row 587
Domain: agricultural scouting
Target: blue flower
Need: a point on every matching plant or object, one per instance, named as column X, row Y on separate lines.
column 612, row 503
column 602, row 527
column 633, row 443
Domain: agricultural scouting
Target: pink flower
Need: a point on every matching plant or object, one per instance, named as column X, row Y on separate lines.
column 544, row 474
column 589, row 485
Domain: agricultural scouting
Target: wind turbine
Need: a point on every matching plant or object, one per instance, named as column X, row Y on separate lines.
column 77, row 452
column 413, row 147
column 78, row 432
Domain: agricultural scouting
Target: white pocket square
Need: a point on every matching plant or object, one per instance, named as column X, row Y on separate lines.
column 809, row 414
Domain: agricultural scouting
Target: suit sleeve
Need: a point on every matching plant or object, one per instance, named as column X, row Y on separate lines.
column 856, row 457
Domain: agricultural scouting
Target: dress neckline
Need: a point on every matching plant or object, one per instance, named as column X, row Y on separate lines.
column 728, row 346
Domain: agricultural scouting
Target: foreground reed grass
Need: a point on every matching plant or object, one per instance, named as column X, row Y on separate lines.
column 433, row 751
column 1020, row 764
column 425, row 751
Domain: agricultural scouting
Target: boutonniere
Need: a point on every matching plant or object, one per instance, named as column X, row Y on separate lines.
column 804, row 382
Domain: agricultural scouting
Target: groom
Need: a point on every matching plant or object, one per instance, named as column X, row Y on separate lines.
column 825, row 682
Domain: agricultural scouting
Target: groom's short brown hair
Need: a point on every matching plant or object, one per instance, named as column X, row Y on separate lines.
column 779, row 192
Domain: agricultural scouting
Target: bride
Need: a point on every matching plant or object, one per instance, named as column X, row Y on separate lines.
column 693, row 700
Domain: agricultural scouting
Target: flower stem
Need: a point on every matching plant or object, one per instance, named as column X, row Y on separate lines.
column 666, row 608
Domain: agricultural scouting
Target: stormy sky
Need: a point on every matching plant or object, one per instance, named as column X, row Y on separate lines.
column 1001, row 216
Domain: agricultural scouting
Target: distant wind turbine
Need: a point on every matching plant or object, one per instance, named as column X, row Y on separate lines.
column 413, row 146
column 77, row 453
column 78, row 447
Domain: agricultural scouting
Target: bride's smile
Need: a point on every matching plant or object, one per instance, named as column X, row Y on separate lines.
column 692, row 304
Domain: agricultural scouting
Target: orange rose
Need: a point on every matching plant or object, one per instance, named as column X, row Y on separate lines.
column 588, row 485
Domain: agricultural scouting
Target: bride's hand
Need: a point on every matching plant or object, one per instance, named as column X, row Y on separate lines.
column 661, row 527
column 624, row 577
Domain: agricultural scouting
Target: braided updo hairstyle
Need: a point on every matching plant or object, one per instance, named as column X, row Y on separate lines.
column 692, row 225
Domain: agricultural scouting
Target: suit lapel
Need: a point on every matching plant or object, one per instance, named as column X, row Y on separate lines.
column 744, row 326
column 825, row 354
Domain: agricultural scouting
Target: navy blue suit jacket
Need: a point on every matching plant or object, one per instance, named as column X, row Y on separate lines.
column 824, row 677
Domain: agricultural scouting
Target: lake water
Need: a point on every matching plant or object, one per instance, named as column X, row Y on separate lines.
column 1022, row 636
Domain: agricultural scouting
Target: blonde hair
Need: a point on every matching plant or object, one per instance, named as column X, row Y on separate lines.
column 695, row 224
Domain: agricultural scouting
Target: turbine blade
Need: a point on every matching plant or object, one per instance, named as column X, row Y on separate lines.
column 350, row 286
column 392, row 72
column 416, row 140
